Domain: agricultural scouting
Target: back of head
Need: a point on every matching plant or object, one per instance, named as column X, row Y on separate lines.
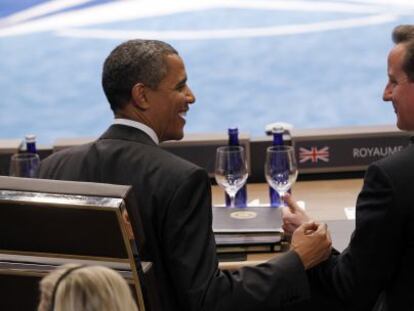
column 132, row 62
column 404, row 34
column 91, row 288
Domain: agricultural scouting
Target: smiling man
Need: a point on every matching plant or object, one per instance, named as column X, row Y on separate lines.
column 145, row 83
column 400, row 87
column 376, row 270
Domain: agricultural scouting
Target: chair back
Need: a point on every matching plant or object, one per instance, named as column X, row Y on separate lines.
column 46, row 223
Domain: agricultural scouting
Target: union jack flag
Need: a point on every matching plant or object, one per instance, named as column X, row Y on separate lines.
column 314, row 154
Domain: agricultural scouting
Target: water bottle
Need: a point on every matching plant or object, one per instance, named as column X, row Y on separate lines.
column 274, row 196
column 26, row 164
column 241, row 195
column 31, row 143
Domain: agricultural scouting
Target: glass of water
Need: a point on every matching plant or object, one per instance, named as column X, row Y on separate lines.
column 24, row 165
column 280, row 168
column 231, row 170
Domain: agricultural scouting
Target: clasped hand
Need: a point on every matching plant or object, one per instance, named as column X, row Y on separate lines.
column 310, row 240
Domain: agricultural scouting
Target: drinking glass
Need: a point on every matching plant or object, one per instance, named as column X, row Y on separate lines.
column 24, row 165
column 280, row 168
column 231, row 170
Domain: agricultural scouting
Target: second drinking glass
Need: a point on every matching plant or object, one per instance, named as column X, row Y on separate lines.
column 280, row 168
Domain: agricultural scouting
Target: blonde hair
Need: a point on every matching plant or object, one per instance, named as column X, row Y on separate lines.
column 89, row 288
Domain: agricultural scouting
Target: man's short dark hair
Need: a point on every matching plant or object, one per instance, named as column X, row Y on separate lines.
column 132, row 62
column 404, row 34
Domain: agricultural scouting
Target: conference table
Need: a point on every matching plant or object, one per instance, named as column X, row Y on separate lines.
column 324, row 200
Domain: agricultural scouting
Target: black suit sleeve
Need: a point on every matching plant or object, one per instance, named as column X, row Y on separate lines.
column 193, row 266
column 357, row 276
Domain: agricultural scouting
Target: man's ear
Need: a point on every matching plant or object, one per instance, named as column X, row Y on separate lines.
column 139, row 98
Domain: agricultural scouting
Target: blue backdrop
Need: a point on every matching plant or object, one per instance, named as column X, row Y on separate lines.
column 310, row 63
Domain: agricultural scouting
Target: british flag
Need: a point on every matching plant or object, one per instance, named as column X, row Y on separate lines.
column 314, row 154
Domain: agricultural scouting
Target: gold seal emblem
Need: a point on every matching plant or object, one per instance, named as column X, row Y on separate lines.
column 243, row 215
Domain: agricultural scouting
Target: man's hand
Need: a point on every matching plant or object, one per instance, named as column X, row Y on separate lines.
column 293, row 216
column 312, row 242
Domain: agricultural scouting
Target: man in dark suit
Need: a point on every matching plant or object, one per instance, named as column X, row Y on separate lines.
column 145, row 83
column 376, row 270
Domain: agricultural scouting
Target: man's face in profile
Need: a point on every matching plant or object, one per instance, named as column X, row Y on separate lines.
column 399, row 89
column 170, row 101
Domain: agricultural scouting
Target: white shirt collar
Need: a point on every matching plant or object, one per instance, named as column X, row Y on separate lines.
column 138, row 125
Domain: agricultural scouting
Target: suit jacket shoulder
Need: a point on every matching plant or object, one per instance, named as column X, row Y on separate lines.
column 399, row 168
column 68, row 162
column 378, row 261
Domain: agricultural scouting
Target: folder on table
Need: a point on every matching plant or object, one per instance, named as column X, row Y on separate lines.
column 247, row 220
column 244, row 230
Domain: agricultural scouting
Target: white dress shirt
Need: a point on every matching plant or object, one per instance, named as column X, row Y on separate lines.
column 141, row 126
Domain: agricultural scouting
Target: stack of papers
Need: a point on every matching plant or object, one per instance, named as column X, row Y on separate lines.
column 251, row 229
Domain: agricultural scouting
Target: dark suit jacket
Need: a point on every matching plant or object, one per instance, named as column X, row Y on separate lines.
column 174, row 201
column 376, row 271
